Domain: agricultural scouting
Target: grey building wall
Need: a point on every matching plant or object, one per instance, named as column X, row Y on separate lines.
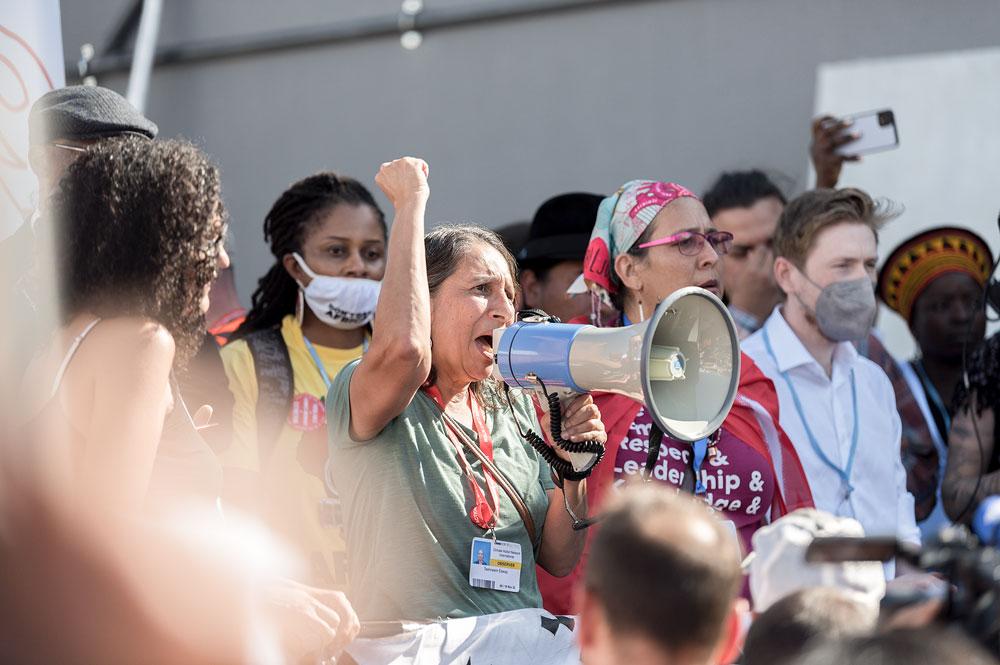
column 512, row 112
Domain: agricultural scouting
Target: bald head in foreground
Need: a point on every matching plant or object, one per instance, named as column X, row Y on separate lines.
column 661, row 584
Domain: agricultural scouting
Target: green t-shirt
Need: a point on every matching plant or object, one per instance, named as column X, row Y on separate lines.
column 406, row 510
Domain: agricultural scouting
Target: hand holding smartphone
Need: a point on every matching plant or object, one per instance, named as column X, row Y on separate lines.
column 876, row 131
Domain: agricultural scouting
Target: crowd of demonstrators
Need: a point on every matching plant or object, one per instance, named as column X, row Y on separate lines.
column 661, row 584
column 837, row 406
column 747, row 204
column 310, row 316
column 362, row 425
column 650, row 239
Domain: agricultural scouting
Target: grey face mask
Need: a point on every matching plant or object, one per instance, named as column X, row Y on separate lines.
column 845, row 311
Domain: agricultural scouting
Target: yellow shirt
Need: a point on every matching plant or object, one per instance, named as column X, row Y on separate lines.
column 296, row 502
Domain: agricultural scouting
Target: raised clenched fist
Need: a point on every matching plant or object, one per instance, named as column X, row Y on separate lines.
column 403, row 180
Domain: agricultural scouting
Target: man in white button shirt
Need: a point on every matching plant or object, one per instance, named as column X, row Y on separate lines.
column 837, row 407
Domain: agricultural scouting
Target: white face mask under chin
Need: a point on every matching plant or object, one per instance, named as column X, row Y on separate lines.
column 340, row 302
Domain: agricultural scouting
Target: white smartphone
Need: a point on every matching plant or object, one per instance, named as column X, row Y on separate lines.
column 877, row 131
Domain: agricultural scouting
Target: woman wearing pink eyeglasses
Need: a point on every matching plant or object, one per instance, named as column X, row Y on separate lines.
column 651, row 239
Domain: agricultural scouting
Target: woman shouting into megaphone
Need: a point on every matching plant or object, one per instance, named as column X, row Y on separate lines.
column 651, row 239
column 447, row 508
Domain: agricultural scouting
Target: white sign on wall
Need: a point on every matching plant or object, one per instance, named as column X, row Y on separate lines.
column 31, row 64
column 946, row 170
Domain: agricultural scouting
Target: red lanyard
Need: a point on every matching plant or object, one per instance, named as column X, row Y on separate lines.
column 481, row 514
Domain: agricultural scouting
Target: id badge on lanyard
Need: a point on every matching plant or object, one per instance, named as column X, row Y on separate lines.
column 493, row 564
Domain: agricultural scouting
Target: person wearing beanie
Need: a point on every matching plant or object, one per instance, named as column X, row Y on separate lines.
column 63, row 122
column 551, row 259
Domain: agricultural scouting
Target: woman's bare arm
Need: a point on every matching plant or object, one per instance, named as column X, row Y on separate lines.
column 398, row 360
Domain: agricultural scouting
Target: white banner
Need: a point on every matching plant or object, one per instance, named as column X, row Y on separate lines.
column 508, row 638
column 31, row 64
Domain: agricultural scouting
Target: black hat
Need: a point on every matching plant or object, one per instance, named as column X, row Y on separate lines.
column 84, row 113
column 561, row 228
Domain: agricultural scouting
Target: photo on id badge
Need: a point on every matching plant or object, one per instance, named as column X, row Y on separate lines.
column 481, row 553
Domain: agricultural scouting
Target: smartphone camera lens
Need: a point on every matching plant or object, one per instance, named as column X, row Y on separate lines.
column 884, row 118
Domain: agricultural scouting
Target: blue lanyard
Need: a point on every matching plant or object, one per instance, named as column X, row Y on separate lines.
column 845, row 473
column 317, row 362
column 700, row 448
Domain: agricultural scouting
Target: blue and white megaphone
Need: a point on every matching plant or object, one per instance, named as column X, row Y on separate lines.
column 683, row 363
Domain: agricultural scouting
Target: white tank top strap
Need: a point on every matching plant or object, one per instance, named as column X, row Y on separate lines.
column 69, row 356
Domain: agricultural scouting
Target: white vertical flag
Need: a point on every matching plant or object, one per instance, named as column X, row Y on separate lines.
column 31, row 64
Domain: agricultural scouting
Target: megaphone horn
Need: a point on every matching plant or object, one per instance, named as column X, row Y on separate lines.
column 683, row 363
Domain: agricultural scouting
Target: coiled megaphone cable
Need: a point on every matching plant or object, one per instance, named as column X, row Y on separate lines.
column 562, row 468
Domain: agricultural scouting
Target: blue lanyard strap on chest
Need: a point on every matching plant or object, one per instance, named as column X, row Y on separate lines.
column 845, row 473
column 700, row 449
column 317, row 362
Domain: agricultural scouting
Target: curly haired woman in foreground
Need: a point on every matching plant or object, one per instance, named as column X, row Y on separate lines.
column 137, row 232
column 138, row 229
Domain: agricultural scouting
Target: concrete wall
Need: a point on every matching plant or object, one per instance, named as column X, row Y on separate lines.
column 510, row 113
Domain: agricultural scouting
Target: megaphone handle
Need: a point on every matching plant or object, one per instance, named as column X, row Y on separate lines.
column 560, row 466
column 565, row 396
column 653, row 453
column 553, row 403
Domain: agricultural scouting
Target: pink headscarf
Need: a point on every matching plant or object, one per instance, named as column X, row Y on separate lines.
column 621, row 219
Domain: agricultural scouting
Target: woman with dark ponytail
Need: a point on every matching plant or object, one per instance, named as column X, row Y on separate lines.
column 309, row 316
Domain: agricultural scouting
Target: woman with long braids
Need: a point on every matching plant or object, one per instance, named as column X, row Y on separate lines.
column 309, row 317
